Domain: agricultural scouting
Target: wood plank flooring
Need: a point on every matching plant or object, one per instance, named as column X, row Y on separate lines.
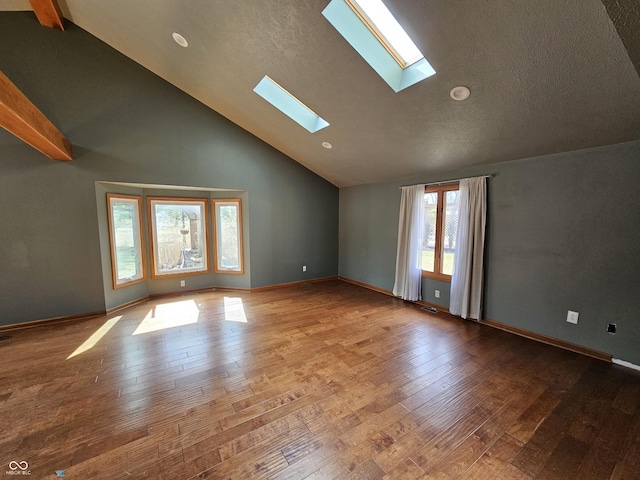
column 326, row 380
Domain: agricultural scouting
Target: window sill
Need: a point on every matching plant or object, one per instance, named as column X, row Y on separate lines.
column 437, row 276
column 125, row 283
column 161, row 276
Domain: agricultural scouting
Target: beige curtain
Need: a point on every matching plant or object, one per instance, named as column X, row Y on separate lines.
column 408, row 282
column 468, row 269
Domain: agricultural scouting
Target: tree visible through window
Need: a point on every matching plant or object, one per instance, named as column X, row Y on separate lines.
column 178, row 231
column 441, row 205
column 127, row 260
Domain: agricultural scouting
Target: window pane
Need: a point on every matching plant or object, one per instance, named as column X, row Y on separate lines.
column 124, row 225
column 179, row 236
column 450, row 229
column 429, row 231
column 125, row 235
column 385, row 27
column 228, row 235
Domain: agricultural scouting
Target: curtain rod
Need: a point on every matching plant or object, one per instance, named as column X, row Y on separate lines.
column 445, row 182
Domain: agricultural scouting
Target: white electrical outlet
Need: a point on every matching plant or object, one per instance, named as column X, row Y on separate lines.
column 437, row 293
column 304, row 268
column 572, row 317
column 182, row 283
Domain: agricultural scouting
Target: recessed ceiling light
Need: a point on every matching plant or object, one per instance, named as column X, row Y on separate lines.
column 327, row 145
column 460, row 93
column 179, row 39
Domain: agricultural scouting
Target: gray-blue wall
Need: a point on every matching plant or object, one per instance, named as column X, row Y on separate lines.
column 563, row 230
column 128, row 125
column 563, row 234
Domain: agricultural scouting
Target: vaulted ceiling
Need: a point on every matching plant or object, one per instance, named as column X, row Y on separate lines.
column 545, row 76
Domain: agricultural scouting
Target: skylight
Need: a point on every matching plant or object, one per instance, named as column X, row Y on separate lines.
column 289, row 105
column 384, row 25
column 377, row 36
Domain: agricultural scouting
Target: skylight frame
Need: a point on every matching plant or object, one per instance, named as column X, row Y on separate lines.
column 372, row 49
column 290, row 105
column 381, row 22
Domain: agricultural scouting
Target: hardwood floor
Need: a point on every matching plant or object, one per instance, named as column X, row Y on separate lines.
column 327, row 380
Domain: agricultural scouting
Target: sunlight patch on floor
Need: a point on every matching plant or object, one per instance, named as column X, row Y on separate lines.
column 169, row 315
column 234, row 310
column 95, row 337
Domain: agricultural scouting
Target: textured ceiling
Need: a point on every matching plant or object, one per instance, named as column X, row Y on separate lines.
column 546, row 76
column 626, row 18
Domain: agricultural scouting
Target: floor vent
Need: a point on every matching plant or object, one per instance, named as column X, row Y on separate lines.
column 429, row 309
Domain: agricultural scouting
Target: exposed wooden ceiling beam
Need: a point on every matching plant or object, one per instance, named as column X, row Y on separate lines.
column 48, row 13
column 22, row 118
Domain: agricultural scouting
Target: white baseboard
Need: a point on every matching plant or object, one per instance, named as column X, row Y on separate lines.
column 625, row 364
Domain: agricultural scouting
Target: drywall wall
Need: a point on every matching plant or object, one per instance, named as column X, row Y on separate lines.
column 128, row 126
column 562, row 234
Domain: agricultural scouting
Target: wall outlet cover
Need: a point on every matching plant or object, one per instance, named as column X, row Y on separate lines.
column 572, row 317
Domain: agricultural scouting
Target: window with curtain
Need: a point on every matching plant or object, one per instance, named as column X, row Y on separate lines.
column 407, row 284
column 441, row 209
column 467, row 280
